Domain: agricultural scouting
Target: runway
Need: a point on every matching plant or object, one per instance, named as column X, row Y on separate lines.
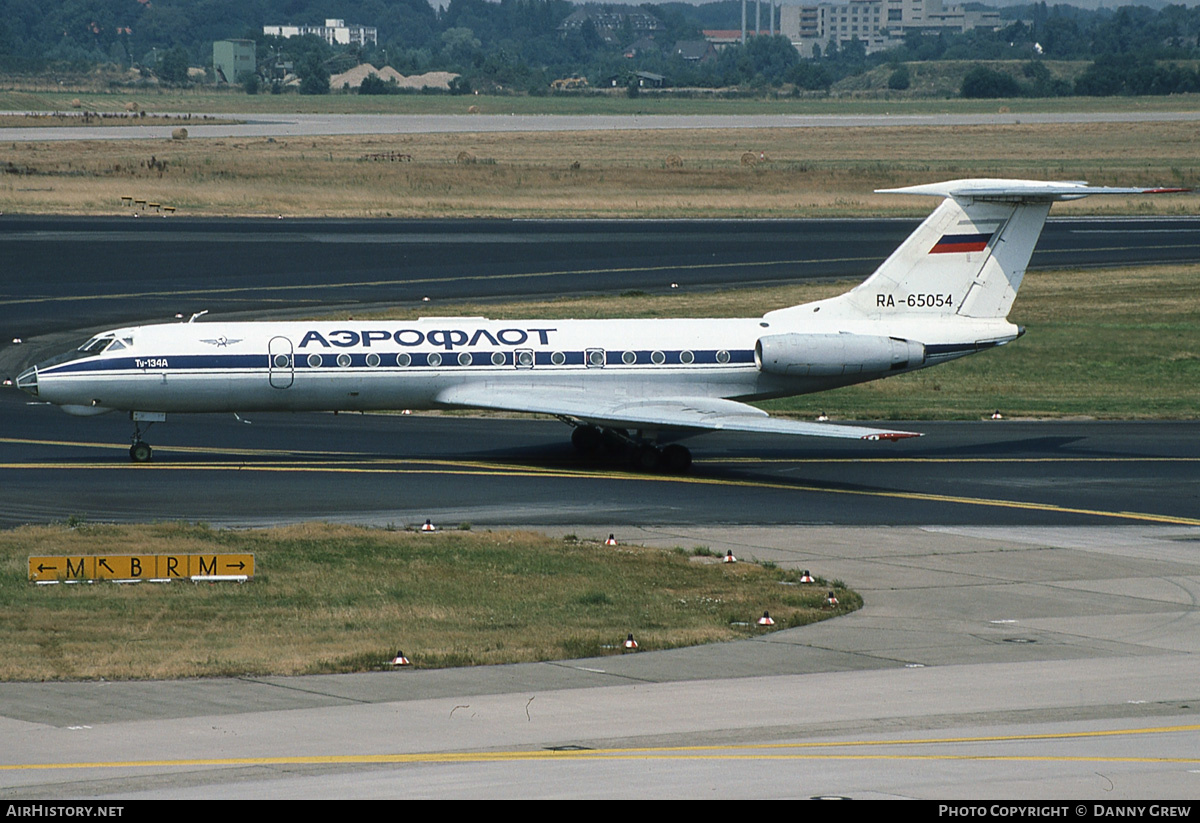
column 72, row 274
column 311, row 125
column 1032, row 588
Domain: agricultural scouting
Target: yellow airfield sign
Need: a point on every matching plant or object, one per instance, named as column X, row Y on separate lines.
column 48, row 569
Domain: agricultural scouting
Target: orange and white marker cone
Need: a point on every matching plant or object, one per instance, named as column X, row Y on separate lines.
column 429, row 527
column 630, row 643
column 729, row 558
column 805, row 577
column 400, row 660
column 766, row 620
column 831, row 600
column 611, row 541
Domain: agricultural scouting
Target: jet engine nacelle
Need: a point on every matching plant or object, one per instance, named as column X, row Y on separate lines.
column 823, row 355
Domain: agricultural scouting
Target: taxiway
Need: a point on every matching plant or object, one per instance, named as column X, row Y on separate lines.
column 1032, row 589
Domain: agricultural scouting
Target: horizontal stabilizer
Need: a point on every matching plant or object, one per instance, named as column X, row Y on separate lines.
column 1021, row 190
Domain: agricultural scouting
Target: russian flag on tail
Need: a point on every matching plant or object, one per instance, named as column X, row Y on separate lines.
column 960, row 243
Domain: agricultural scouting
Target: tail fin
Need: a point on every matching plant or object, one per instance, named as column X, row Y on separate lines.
column 968, row 258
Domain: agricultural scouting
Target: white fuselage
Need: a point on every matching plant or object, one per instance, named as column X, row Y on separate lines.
column 945, row 292
column 399, row 364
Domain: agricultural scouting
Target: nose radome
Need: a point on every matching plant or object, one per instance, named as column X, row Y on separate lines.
column 27, row 380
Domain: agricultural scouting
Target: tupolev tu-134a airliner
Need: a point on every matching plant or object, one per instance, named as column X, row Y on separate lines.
column 944, row 293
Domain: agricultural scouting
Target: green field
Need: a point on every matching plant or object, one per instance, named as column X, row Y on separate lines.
column 341, row 598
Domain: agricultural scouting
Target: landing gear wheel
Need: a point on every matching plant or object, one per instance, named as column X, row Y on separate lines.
column 647, row 459
column 140, row 452
column 676, row 459
column 587, row 439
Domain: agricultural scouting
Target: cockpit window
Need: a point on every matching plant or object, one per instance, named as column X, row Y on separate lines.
column 96, row 344
column 103, row 343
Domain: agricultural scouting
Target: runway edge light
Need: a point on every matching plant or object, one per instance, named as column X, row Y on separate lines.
column 630, row 643
column 429, row 527
column 400, row 659
column 805, row 577
column 766, row 620
column 611, row 541
column 729, row 558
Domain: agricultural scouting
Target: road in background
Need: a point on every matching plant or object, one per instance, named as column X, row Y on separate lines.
column 312, row 125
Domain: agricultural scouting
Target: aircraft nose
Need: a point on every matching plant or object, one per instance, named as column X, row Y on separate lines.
column 27, row 381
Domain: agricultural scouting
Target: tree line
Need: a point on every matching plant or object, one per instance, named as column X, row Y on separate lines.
column 517, row 45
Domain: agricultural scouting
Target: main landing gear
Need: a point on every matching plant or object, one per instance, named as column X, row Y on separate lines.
column 594, row 442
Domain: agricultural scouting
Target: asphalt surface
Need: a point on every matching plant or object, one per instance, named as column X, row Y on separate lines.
column 396, row 469
column 1037, row 641
column 994, row 664
column 71, row 273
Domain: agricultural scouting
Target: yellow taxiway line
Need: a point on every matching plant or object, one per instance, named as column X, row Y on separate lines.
column 764, row 751
column 381, row 465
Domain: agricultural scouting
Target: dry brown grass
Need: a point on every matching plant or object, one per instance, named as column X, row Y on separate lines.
column 36, row 120
column 820, row 171
column 343, row 598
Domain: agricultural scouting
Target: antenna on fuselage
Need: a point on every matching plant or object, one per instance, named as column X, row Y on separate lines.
column 198, row 314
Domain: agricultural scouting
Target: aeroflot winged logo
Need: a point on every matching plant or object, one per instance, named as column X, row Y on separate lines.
column 445, row 338
column 220, row 342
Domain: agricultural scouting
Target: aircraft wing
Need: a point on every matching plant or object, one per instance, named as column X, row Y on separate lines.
column 693, row 414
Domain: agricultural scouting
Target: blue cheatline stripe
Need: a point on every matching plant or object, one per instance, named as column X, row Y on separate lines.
column 258, row 362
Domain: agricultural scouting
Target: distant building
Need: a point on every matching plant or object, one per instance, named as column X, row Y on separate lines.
column 695, row 51
column 642, row 79
column 878, row 24
column 334, row 32
column 642, row 47
column 613, row 24
column 720, row 38
column 232, row 59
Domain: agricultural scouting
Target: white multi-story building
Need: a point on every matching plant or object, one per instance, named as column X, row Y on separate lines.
column 334, row 32
column 879, row 24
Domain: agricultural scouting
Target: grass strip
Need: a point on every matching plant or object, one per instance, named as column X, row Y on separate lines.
column 335, row 598
column 944, row 76
column 713, row 173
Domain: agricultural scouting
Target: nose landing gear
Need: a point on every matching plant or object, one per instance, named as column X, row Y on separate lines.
column 140, row 451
